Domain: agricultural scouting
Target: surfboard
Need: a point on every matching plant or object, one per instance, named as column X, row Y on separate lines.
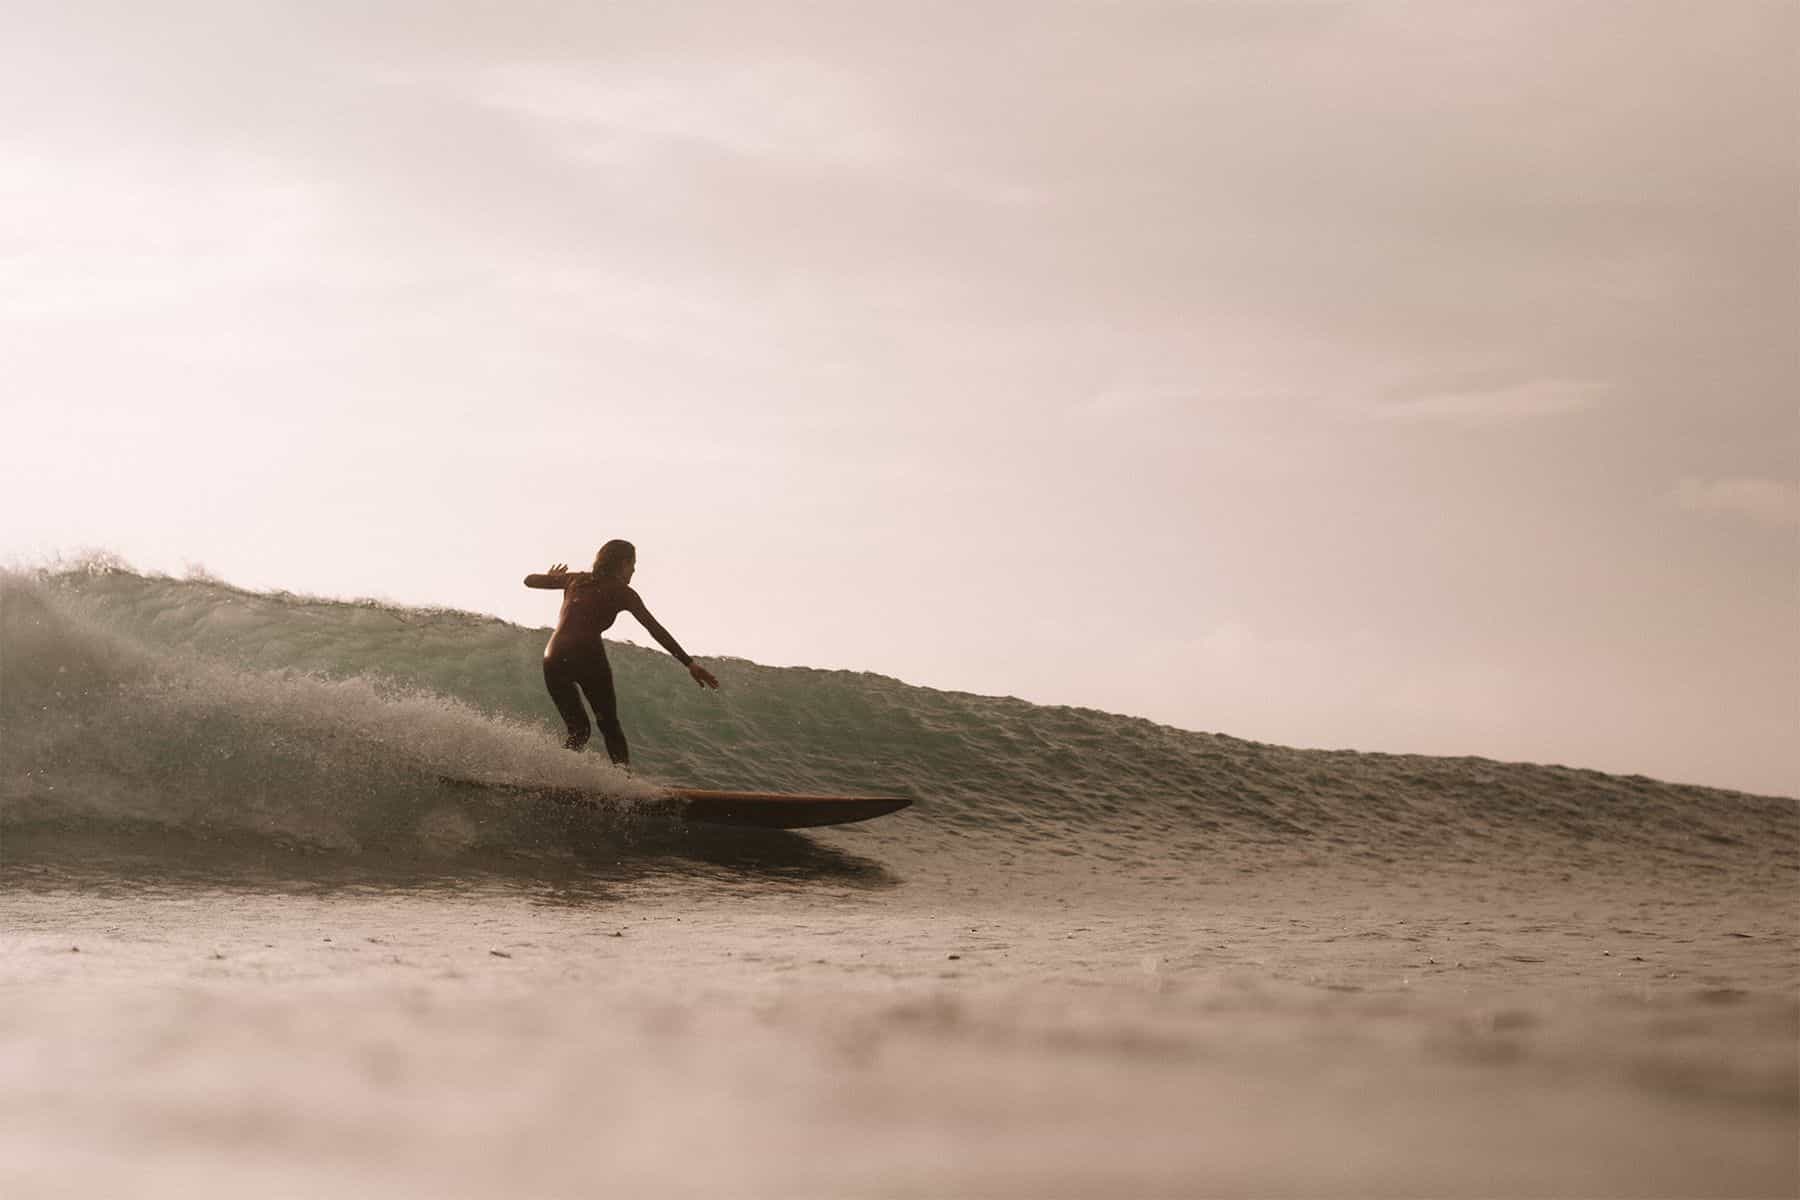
column 776, row 810
column 753, row 810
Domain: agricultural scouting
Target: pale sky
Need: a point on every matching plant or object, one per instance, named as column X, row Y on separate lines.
column 1415, row 377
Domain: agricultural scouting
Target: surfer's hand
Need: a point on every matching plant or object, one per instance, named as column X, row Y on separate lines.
column 558, row 569
column 703, row 677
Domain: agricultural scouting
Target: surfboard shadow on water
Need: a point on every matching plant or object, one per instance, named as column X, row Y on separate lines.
column 740, row 853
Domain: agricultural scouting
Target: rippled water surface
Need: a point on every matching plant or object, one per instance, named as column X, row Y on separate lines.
column 252, row 943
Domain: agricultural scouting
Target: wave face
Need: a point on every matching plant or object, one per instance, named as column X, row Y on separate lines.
column 132, row 700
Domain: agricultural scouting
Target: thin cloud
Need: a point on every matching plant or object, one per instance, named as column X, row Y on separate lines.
column 1767, row 501
column 1531, row 400
column 780, row 108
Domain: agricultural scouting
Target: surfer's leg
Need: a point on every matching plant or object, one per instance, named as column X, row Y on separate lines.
column 597, row 682
column 560, row 681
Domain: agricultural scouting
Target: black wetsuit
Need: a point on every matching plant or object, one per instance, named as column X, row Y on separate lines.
column 575, row 656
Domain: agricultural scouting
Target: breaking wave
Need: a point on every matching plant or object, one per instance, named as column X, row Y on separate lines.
column 133, row 699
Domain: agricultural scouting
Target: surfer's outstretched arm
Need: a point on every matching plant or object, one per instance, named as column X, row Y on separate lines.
column 556, row 577
column 635, row 605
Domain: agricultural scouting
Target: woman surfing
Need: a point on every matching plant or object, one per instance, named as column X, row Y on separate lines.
column 575, row 657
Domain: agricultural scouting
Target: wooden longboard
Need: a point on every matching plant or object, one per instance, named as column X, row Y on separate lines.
column 756, row 810
column 773, row 810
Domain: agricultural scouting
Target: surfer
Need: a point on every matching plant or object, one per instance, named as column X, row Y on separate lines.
column 575, row 657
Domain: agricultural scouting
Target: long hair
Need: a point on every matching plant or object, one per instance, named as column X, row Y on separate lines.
column 614, row 555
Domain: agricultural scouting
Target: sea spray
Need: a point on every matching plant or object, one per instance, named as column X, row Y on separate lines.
column 103, row 728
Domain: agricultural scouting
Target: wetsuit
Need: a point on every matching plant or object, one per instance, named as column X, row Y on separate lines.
column 575, row 656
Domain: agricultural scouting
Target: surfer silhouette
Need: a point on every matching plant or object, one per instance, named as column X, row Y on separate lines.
column 575, row 657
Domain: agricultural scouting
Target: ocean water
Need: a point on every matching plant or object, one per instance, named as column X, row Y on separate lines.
column 252, row 942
